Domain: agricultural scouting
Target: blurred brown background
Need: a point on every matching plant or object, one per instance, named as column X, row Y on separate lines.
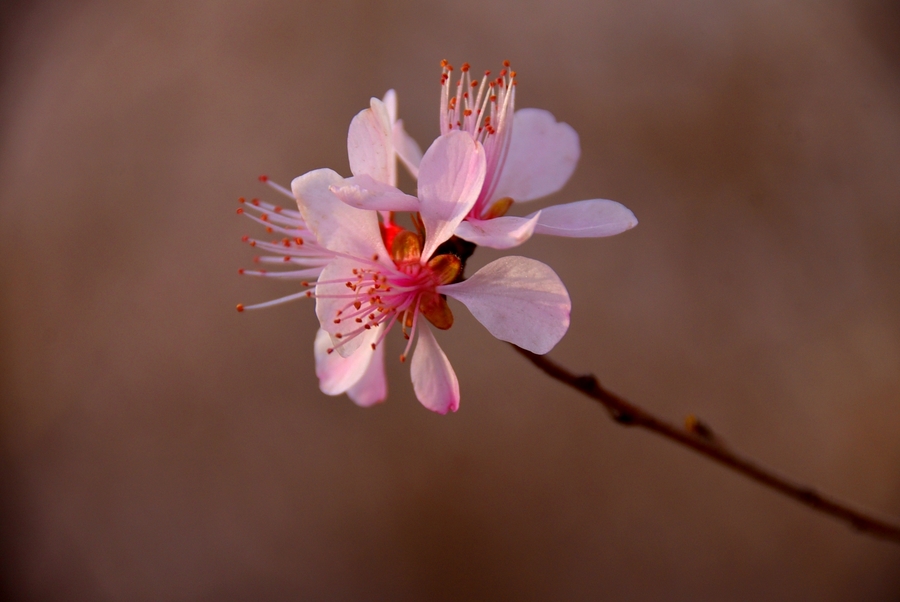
column 159, row 446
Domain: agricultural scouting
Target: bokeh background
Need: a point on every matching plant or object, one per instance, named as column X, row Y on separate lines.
column 157, row 445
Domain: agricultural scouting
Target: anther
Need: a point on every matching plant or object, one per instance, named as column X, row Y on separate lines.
column 245, row 238
column 264, row 178
column 240, row 210
column 241, row 271
column 240, row 307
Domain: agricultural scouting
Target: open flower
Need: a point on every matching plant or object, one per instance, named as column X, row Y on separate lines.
column 528, row 155
column 375, row 141
column 367, row 289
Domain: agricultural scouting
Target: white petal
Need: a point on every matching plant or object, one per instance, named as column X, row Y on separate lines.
column 433, row 378
column 364, row 192
column 542, row 156
column 331, row 298
column 517, row 299
column 586, row 219
column 370, row 145
column 337, row 373
column 372, row 387
column 407, row 149
column 337, row 226
column 500, row 232
column 450, row 178
column 390, row 104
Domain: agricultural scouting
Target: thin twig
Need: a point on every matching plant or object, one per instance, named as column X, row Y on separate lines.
column 702, row 440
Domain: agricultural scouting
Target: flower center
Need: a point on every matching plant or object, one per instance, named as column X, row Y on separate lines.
column 384, row 295
column 486, row 112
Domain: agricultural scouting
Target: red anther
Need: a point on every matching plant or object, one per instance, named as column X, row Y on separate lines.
column 444, row 63
column 263, row 178
column 240, row 210
column 375, row 257
column 245, row 238
column 277, row 209
column 256, row 259
column 242, row 200
column 298, row 240
column 269, row 230
column 252, row 243
column 309, row 293
column 287, row 259
column 487, row 73
column 464, row 68
column 493, row 97
column 359, row 320
column 264, row 217
column 502, row 74
column 263, row 271
column 337, row 320
column 241, row 271
column 373, row 346
column 357, row 304
column 506, row 63
column 402, row 357
column 240, row 307
column 255, row 202
column 512, row 73
column 467, row 112
column 304, row 283
column 329, row 351
column 338, row 335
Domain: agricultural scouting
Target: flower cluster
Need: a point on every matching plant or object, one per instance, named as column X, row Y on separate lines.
column 369, row 274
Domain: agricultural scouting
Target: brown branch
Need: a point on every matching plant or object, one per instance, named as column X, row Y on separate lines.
column 702, row 440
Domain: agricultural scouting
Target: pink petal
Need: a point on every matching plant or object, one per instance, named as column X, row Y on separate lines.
column 500, row 232
column 370, row 145
column 364, row 192
column 407, row 149
column 336, row 373
column 433, row 378
column 450, row 178
column 390, row 104
column 338, row 227
column 372, row 387
column 331, row 297
column 542, row 156
column 517, row 299
column 585, row 219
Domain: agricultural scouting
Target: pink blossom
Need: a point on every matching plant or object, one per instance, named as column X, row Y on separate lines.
column 528, row 155
column 367, row 289
column 375, row 141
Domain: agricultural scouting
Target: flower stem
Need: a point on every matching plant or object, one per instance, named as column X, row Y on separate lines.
column 700, row 438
